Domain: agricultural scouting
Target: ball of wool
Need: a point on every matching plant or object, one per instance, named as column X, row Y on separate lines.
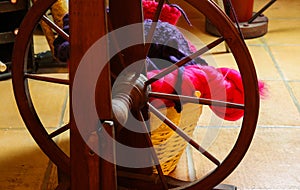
column 169, row 35
column 168, row 14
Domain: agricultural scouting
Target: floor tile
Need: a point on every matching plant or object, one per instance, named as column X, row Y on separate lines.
column 264, row 65
column 256, row 170
column 9, row 116
column 40, row 41
column 278, row 108
column 255, row 41
column 287, row 9
column 272, row 161
column 295, row 86
column 218, row 142
column 283, row 32
column 22, row 163
column 286, row 60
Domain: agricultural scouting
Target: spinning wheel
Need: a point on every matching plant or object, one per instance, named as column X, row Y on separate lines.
column 131, row 95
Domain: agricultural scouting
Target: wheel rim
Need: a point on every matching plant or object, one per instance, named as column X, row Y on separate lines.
column 21, row 90
column 237, row 46
column 250, row 84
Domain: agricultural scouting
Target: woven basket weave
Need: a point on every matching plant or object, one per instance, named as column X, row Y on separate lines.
column 168, row 145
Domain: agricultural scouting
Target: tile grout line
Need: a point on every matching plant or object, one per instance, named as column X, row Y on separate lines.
column 257, row 126
column 47, row 175
column 64, row 108
column 279, row 127
column 285, row 81
column 275, row 44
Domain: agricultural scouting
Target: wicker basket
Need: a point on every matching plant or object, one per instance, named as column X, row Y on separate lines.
column 168, row 145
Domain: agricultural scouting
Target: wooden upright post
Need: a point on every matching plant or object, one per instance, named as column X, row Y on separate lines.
column 87, row 25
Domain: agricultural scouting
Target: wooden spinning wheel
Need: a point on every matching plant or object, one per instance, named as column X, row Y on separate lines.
column 83, row 168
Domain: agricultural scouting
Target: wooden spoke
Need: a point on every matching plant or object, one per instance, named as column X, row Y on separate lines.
column 153, row 26
column 47, row 79
column 55, row 27
column 59, row 131
column 153, row 153
column 184, row 61
column 196, row 100
column 181, row 133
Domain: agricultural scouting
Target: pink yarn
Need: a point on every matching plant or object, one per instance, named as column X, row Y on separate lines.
column 168, row 14
column 222, row 84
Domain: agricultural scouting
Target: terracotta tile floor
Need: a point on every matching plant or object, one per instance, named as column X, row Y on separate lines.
column 273, row 160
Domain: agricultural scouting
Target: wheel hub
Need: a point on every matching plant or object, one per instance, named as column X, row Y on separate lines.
column 129, row 93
